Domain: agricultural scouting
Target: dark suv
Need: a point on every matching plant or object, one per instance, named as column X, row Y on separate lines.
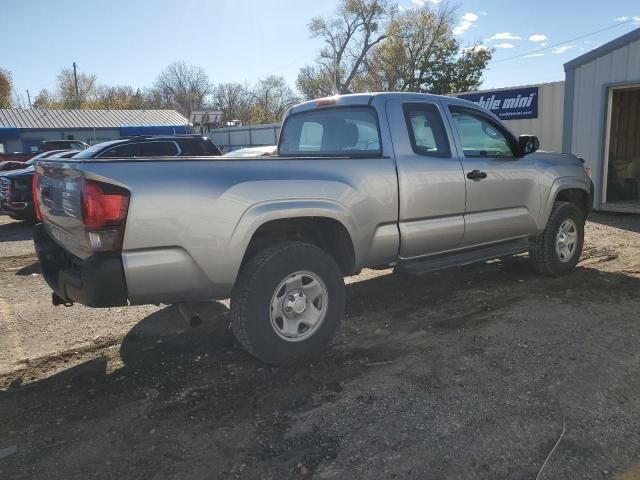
column 154, row 146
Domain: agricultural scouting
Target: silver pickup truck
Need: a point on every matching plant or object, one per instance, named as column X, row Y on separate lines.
column 411, row 181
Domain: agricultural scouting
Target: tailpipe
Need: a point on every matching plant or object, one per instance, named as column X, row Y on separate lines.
column 191, row 313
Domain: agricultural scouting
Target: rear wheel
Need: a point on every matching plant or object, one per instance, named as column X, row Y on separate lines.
column 287, row 303
column 557, row 250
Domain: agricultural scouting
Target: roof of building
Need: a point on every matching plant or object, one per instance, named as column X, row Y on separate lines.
column 602, row 50
column 68, row 119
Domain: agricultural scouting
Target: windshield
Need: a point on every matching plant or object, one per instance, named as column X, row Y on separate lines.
column 335, row 131
column 91, row 151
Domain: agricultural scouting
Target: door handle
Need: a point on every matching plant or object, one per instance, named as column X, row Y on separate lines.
column 476, row 175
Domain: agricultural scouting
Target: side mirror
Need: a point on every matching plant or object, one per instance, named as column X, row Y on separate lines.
column 528, row 144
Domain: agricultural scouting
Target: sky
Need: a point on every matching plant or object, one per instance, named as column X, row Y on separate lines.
column 130, row 42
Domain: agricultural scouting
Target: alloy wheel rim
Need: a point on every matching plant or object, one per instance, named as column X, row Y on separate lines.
column 566, row 240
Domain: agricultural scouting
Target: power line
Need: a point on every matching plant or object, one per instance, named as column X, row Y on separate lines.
column 564, row 42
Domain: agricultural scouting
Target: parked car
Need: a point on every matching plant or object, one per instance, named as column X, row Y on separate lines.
column 16, row 195
column 48, row 145
column 411, row 181
column 154, row 146
column 265, row 151
column 11, row 165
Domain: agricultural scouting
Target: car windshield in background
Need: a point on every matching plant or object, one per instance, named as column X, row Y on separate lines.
column 91, row 151
column 336, row 131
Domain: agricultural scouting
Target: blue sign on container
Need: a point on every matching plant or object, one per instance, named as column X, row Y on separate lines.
column 508, row 104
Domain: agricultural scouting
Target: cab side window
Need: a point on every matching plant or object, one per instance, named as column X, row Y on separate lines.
column 481, row 136
column 426, row 130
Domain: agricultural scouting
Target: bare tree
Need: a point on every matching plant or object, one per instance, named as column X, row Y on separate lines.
column 6, row 88
column 272, row 98
column 183, row 87
column 358, row 26
column 235, row 100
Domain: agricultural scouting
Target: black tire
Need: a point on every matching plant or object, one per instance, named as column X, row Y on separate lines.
column 544, row 257
column 253, row 293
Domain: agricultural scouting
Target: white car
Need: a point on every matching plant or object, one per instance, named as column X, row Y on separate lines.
column 253, row 152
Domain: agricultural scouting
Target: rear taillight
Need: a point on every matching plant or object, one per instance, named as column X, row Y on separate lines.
column 104, row 212
column 34, row 192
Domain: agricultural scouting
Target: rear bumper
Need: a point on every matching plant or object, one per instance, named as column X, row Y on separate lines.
column 97, row 281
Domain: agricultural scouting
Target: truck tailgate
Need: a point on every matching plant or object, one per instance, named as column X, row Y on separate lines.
column 58, row 193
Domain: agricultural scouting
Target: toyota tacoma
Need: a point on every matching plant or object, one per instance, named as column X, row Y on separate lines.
column 411, row 181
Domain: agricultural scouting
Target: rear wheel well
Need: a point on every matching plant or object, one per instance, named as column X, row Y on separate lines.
column 576, row 196
column 326, row 233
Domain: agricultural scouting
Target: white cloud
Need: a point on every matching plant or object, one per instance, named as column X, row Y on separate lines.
column 505, row 45
column 538, row 37
column 401, row 8
column 636, row 19
column 505, row 36
column 476, row 48
column 467, row 22
column 543, row 44
column 420, row 3
column 562, row 49
column 536, row 55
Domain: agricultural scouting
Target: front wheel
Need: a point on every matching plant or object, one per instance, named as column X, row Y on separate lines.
column 557, row 250
column 288, row 303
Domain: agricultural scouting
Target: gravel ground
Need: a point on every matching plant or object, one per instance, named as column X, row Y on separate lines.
column 467, row 374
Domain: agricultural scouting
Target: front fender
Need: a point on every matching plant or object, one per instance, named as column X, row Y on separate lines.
column 560, row 184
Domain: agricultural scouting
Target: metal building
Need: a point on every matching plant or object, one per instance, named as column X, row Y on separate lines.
column 23, row 130
column 528, row 109
column 602, row 120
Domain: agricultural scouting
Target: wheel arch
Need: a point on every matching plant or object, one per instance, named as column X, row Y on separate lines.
column 568, row 189
column 322, row 223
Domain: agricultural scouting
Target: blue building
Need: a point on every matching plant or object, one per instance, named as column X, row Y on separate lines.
column 23, row 130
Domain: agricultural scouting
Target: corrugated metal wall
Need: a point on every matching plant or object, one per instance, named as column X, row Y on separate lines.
column 233, row 138
column 591, row 84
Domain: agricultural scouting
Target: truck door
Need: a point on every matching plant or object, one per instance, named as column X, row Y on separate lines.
column 430, row 179
column 503, row 197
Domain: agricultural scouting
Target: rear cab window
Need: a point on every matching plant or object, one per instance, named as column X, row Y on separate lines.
column 333, row 131
column 426, row 130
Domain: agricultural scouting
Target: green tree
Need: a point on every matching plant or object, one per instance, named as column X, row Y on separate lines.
column 315, row 81
column 66, row 90
column 45, row 99
column 421, row 54
column 6, row 88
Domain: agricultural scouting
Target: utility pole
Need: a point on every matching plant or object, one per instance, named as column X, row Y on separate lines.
column 75, row 79
column 29, row 98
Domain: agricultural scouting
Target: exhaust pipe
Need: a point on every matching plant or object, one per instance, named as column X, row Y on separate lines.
column 190, row 314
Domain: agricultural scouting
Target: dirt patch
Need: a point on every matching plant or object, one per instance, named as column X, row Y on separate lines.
column 462, row 374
